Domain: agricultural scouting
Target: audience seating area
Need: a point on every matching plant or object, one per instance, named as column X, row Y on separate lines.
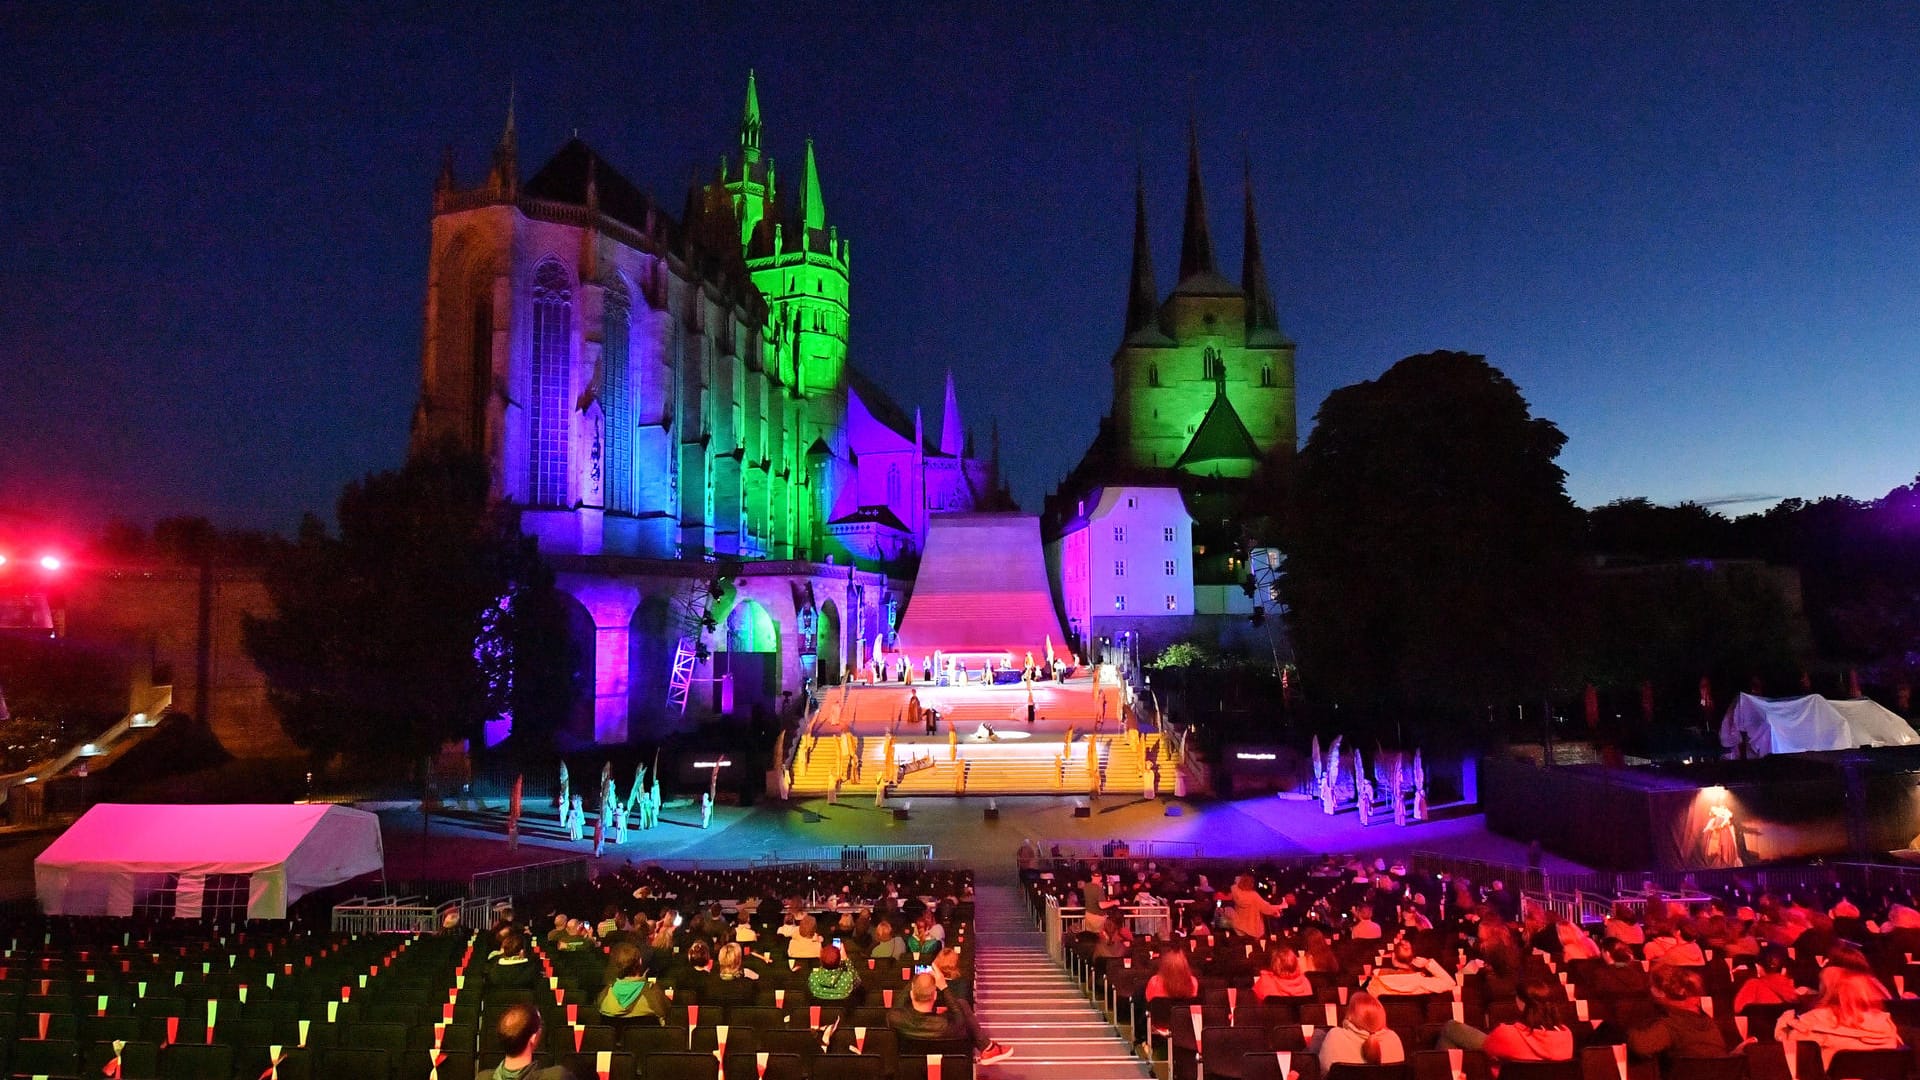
column 176, row 1000
column 1224, row 1031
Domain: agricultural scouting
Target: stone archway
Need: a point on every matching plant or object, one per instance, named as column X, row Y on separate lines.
column 749, row 653
column 827, row 645
column 581, row 635
column 651, row 641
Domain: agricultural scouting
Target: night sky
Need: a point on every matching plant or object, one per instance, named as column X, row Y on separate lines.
column 1690, row 232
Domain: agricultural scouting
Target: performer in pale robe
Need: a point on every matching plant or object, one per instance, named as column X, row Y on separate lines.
column 1093, row 765
column 609, row 801
column 880, row 792
column 1419, row 788
column 706, row 809
column 577, row 821
column 566, row 795
column 1149, row 780
column 953, row 744
column 887, row 753
column 1362, row 788
column 1399, row 791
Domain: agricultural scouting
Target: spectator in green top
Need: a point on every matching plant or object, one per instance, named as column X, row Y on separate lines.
column 833, row 982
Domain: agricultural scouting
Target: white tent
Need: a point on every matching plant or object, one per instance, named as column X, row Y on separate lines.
column 1797, row 725
column 206, row 856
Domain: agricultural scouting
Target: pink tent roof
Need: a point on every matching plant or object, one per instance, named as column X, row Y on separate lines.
column 290, row 848
column 982, row 587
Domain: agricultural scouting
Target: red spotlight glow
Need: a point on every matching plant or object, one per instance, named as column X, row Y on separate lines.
column 3, row 560
column 50, row 562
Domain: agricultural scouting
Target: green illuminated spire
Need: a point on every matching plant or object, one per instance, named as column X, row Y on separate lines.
column 1253, row 272
column 813, row 213
column 1143, row 297
column 1196, row 247
column 750, row 126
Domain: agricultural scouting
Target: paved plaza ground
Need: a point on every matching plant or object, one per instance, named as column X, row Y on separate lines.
column 1251, row 827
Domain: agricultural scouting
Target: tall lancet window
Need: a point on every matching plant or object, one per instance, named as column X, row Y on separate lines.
column 480, row 370
column 552, row 361
column 616, row 401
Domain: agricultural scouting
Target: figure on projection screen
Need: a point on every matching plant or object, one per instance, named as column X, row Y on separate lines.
column 1719, row 842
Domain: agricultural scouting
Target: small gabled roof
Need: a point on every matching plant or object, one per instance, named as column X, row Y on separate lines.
column 1222, row 435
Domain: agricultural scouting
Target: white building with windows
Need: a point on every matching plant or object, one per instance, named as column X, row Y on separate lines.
column 1124, row 562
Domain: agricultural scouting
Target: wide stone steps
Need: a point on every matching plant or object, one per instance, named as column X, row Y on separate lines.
column 1027, row 1002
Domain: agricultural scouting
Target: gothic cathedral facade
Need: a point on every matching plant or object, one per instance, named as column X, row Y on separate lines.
column 661, row 393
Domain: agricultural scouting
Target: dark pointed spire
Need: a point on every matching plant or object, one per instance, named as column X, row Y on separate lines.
column 1253, row 272
column 506, row 155
column 1143, row 296
column 750, row 126
column 1196, row 247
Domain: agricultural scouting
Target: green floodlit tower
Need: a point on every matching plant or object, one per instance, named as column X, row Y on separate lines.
column 799, row 264
column 1202, row 383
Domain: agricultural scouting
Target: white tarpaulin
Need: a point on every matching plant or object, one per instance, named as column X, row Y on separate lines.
column 1801, row 724
column 118, row 851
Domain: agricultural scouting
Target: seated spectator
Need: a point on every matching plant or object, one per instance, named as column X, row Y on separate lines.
column 610, row 922
column 512, row 969
column 1771, row 985
column 1850, row 1014
column 1674, row 944
column 630, row 994
column 1621, row 975
column 730, row 983
column 1173, row 978
column 1574, row 943
column 949, row 978
column 1406, row 973
column 660, row 935
column 700, row 957
column 519, row 1033
column 1316, row 954
column 1364, row 928
column 1362, row 1038
column 926, row 938
column 885, row 945
column 916, row 1018
column 832, row 982
column 1282, row 977
column 1684, row 1030
column 805, row 942
column 743, row 931
column 559, row 928
column 1538, row 1035
column 1115, row 941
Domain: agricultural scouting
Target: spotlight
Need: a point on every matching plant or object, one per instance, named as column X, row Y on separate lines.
column 49, row 562
column 3, row 560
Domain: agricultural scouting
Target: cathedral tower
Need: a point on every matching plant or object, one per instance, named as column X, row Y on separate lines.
column 1202, row 382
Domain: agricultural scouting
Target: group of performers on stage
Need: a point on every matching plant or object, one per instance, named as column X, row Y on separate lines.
column 640, row 808
column 1402, row 777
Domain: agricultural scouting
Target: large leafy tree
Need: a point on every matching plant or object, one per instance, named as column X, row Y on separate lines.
column 413, row 624
column 1430, row 546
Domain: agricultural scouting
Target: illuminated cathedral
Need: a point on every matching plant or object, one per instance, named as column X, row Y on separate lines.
column 665, row 393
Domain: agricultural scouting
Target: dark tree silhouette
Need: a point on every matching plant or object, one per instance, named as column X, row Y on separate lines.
column 425, row 616
column 1430, row 546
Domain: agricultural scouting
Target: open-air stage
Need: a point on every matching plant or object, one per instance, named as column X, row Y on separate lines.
column 984, row 744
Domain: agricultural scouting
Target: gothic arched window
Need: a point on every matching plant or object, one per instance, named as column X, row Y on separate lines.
column 893, row 485
column 1153, row 374
column 480, row 369
column 547, row 428
column 616, row 402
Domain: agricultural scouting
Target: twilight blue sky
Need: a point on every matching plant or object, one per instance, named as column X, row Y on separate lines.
column 1690, row 232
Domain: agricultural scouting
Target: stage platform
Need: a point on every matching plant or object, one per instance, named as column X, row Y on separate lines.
column 930, row 765
column 864, row 709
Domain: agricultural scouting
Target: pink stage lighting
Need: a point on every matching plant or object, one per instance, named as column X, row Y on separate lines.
column 49, row 563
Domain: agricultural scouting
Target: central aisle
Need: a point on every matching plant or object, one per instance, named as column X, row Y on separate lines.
column 1029, row 1003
